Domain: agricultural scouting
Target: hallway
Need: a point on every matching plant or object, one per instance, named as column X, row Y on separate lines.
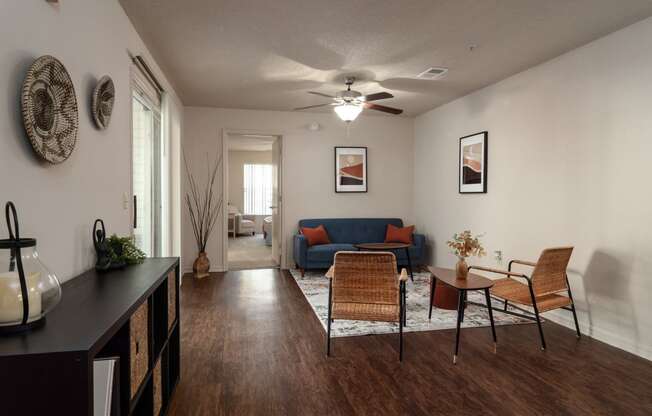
column 249, row 252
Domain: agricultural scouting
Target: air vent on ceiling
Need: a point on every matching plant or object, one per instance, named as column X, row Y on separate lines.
column 433, row 73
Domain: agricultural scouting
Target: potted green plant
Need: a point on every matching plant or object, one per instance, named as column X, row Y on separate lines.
column 124, row 251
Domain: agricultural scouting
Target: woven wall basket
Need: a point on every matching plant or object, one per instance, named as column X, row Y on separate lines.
column 102, row 102
column 49, row 107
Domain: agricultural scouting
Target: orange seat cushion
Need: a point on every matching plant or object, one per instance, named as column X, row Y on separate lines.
column 316, row 236
column 399, row 234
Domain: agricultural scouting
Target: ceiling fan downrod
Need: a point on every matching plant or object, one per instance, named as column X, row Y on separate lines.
column 349, row 81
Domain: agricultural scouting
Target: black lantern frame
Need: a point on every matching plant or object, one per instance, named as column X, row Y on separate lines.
column 15, row 244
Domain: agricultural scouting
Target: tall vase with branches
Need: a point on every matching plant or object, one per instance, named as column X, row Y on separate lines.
column 204, row 208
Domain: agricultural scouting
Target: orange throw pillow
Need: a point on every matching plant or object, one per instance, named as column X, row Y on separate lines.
column 398, row 234
column 316, row 235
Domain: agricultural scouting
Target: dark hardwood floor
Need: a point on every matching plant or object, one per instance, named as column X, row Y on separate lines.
column 251, row 345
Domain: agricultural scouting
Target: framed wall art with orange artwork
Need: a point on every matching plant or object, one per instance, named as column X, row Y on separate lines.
column 351, row 169
column 473, row 164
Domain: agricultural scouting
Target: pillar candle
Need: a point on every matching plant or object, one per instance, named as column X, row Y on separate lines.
column 11, row 299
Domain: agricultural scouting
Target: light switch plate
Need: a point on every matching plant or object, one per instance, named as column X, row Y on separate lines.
column 125, row 201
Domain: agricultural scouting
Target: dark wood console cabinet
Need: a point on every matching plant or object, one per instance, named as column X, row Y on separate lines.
column 132, row 314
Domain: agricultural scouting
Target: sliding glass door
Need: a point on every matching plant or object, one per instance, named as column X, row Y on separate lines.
column 146, row 172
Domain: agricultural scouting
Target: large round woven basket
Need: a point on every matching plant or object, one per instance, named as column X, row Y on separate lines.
column 49, row 108
column 102, row 102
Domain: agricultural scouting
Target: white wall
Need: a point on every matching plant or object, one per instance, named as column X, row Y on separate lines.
column 308, row 177
column 570, row 148
column 58, row 204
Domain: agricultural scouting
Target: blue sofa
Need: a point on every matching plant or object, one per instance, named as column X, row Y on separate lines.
column 343, row 234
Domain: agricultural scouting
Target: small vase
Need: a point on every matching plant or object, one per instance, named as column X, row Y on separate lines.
column 461, row 269
column 201, row 266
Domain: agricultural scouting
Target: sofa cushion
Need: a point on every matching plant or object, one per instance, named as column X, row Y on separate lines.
column 326, row 252
column 399, row 234
column 315, row 236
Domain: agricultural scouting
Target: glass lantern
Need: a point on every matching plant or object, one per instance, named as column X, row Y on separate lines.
column 28, row 290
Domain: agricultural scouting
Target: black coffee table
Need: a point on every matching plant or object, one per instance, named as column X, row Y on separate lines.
column 388, row 247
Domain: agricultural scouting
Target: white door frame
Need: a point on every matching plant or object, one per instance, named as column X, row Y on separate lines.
column 225, row 191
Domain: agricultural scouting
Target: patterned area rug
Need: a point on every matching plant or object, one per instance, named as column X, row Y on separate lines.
column 315, row 288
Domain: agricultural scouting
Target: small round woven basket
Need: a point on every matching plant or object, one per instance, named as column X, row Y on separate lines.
column 102, row 102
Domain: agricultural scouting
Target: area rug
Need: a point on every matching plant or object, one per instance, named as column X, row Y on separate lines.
column 315, row 288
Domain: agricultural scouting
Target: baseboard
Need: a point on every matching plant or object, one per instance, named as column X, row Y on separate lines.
column 565, row 318
column 212, row 270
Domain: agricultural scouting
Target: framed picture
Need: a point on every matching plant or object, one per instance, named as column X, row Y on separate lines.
column 350, row 169
column 473, row 163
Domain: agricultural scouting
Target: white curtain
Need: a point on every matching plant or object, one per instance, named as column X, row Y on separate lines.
column 257, row 189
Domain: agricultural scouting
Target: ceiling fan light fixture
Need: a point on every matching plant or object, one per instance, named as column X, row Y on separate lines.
column 348, row 111
column 348, row 104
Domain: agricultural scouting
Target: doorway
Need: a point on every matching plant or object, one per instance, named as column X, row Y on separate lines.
column 253, row 195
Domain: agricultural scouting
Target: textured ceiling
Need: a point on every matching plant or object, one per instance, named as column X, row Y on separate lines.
column 265, row 54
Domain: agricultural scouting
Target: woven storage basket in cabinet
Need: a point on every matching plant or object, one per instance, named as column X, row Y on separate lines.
column 172, row 299
column 158, row 389
column 139, row 346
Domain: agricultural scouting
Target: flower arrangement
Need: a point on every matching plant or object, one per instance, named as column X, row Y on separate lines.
column 465, row 245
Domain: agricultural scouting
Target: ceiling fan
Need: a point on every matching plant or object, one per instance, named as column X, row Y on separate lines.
column 350, row 103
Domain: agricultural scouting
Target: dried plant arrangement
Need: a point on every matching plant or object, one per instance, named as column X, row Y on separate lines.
column 204, row 207
column 464, row 245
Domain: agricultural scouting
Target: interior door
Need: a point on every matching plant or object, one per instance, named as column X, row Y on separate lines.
column 277, row 201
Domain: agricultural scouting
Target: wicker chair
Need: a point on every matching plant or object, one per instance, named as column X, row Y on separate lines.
column 543, row 291
column 365, row 286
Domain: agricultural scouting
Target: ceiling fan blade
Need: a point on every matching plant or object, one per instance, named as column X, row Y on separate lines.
column 311, row 106
column 384, row 109
column 319, row 93
column 376, row 96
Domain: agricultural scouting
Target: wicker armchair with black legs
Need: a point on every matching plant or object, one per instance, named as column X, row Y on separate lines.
column 365, row 286
column 543, row 290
